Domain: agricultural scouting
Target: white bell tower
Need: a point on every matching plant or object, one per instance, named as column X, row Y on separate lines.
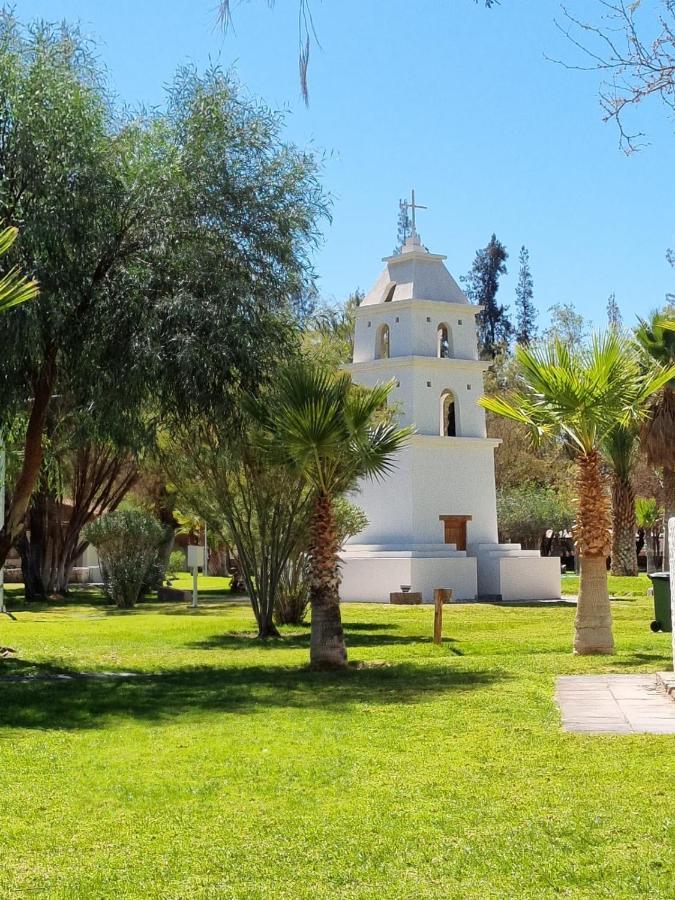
column 433, row 520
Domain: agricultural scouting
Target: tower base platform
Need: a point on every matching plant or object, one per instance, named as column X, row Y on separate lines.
column 370, row 572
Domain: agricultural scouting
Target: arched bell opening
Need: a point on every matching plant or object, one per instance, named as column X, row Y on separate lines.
column 443, row 341
column 382, row 342
column 449, row 415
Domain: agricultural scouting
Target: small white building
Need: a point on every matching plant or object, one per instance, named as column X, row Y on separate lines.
column 433, row 521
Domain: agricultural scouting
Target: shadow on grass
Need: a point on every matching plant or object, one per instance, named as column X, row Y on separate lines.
column 207, row 606
column 85, row 595
column 238, row 640
column 49, row 697
column 660, row 661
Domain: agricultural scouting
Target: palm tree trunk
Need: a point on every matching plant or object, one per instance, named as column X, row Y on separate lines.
column 593, row 622
column 327, row 647
column 624, row 553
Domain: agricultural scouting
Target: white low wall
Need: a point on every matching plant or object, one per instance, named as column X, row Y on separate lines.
column 372, row 579
column 529, row 577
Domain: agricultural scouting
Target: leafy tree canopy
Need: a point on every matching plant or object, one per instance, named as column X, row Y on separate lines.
column 169, row 248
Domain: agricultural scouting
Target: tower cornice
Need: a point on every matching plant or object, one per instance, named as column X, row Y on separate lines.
column 421, row 305
column 423, row 362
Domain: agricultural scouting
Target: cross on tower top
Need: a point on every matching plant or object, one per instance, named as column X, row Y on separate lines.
column 412, row 206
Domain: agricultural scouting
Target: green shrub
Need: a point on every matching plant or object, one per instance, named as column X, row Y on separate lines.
column 127, row 542
column 177, row 563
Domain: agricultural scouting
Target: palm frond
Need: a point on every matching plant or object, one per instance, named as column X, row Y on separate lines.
column 620, row 447
column 581, row 394
column 15, row 288
column 324, row 427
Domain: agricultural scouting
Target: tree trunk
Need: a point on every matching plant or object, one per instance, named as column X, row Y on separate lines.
column 624, row 554
column 266, row 628
column 41, row 547
column 327, row 647
column 101, row 477
column 32, row 458
column 164, row 553
column 593, row 622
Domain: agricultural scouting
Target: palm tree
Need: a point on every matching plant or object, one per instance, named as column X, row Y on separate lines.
column 333, row 434
column 620, row 448
column 657, row 338
column 15, row 288
column 648, row 517
column 579, row 396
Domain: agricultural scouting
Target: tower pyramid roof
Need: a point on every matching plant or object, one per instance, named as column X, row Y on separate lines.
column 415, row 274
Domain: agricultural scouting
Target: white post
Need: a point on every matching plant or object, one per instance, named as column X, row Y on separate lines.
column 206, row 549
column 195, row 559
column 671, row 549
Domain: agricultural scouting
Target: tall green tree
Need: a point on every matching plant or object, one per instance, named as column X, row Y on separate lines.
column 257, row 505
column 525, row 513
column 170, row 249
column 481, row 286
column 526, row 313
column 649, row 519
column 567, row 325
column 403, row 226
column 328, row 337
column 620, row 447
column 614, row 318
column 657, row 337
column 326, row 430
column 578, row 396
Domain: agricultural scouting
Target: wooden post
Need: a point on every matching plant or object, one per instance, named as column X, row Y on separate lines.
column 441, row 596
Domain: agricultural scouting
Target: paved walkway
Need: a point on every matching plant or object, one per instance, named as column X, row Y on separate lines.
column 617, row 704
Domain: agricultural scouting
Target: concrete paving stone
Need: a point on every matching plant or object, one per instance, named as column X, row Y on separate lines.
column 615, row 728
column 653, row 728
column 618, row 704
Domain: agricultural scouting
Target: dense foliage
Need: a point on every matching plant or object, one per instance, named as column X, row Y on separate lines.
column 526, row 513
column 170, row 249
column 253, row 504
column 526, row 313
column 481, row 286
column 330, row 434
column 127, row 542
column 579, row 396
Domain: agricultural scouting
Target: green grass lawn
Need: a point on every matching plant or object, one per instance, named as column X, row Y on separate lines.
column 227, row 769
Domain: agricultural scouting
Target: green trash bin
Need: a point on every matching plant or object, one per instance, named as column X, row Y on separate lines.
column 662, row 616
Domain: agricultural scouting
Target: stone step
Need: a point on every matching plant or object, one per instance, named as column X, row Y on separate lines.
column 666, row 682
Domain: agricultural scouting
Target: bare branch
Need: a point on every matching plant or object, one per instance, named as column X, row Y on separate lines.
column 637, row 55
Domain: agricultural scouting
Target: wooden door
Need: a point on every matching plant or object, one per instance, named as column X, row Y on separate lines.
column 455, row 530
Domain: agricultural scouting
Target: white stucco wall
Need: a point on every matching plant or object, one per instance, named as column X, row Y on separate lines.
column 530, row 578
column 420, row 384
column 372, row 580
column 434, row 476
column 416, row 331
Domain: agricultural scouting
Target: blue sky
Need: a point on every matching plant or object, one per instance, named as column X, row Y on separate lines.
column 444, row 96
